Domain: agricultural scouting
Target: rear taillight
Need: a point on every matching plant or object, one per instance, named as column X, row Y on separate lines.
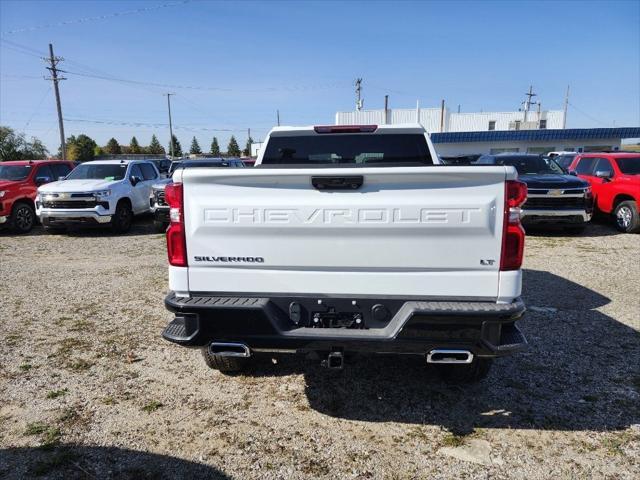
column 515, row 195
column 176, row 241
column 345, row 128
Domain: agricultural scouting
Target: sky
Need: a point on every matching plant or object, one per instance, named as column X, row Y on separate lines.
column 232, row 65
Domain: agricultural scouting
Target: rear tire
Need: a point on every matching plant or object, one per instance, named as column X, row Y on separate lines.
column 473, row 372
column 226, row 365
column 122, row 218
column 23, row 218
column 626, row 217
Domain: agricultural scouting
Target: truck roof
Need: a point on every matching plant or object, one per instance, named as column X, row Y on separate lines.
column 32, row 162
column 368, row 129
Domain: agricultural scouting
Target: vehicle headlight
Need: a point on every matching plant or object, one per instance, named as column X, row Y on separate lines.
column 2, row 192
column 102, row 193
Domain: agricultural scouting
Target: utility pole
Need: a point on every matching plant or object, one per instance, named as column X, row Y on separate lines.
column 359, row 101
column 566, row 106
column 386, row 109
column 528, row 103
column 278, row 115
column 170, row 124
column 248, row 140
column 53, row 63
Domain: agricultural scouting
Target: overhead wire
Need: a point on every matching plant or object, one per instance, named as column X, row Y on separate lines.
column 96, row 17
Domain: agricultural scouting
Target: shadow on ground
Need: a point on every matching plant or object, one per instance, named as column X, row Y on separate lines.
column 78, row 462
column 578, row 374
column 142, row 225
column 600, row 226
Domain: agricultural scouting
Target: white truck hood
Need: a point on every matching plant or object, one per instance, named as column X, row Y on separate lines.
column 69, row 186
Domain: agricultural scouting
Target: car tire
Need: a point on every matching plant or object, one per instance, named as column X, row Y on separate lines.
column 23, row 218
column 160, row 227
column 122, row 218
column 626, row 217
column 226, row 365
column 470, row 373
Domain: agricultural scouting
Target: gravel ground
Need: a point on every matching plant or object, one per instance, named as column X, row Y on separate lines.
column 88, row 389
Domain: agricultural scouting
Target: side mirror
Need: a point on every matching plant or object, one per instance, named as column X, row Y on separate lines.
column 603, row 174
column 573, row 172
column 42, row 180
column 135, row 180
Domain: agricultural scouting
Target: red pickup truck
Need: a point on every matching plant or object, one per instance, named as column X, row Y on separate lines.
column 615, row 182
column 19, row 182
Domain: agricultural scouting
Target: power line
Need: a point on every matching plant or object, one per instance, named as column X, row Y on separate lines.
column 37, row 108
column 156, row 125
column 97, row 17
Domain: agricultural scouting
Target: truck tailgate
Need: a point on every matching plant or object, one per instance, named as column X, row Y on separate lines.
column 427, row 232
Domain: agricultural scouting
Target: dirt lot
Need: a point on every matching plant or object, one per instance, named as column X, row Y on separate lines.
column 88, row 389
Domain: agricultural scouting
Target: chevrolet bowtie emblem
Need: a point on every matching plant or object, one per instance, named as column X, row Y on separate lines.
column 556, row 193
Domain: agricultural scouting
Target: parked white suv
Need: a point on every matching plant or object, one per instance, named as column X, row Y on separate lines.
column 98, row 193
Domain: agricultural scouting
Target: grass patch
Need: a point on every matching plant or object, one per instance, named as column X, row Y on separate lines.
column 69, row 345
column 109, row 401
column 25, row 367
column 49, row 435
column 80, row 365
column 614, row 443
column 452, row 440
column 57, row 393
column 152, row 406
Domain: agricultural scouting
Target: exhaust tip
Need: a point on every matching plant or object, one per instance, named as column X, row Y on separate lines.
column 451, row 356
column 229, row 349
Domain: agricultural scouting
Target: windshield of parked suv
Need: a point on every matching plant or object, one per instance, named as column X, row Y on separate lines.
column 14, row 172
column 97, row 171
column 351, row 150
column 565, row 160
column 627, row 165
column 526, row 165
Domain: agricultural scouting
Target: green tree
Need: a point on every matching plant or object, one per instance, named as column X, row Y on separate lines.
column 154, row 147
column 13, row 146
column 80, row 148
column 134, row 146
column 98, row 151
column 247, row 149
column 215, row 148
column 177, row 148
column 113, row 147
column 233, row 150
column 195, row 147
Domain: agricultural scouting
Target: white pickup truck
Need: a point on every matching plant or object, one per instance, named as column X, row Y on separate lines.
column 347, row 239
column 102, row 192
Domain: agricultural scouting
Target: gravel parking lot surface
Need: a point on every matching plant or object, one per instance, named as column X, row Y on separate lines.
column 88, row 389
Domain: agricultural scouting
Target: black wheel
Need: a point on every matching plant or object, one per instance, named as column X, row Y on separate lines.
column 160, row 227
column 55, row 230
column 229, row 365
column 473, row 372
column 122, row 218
column 22, row 218
column 626, row 215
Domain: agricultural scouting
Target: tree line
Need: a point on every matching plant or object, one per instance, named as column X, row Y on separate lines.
column 82, row 148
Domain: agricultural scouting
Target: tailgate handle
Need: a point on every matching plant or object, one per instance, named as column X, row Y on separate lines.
column 337, row 183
